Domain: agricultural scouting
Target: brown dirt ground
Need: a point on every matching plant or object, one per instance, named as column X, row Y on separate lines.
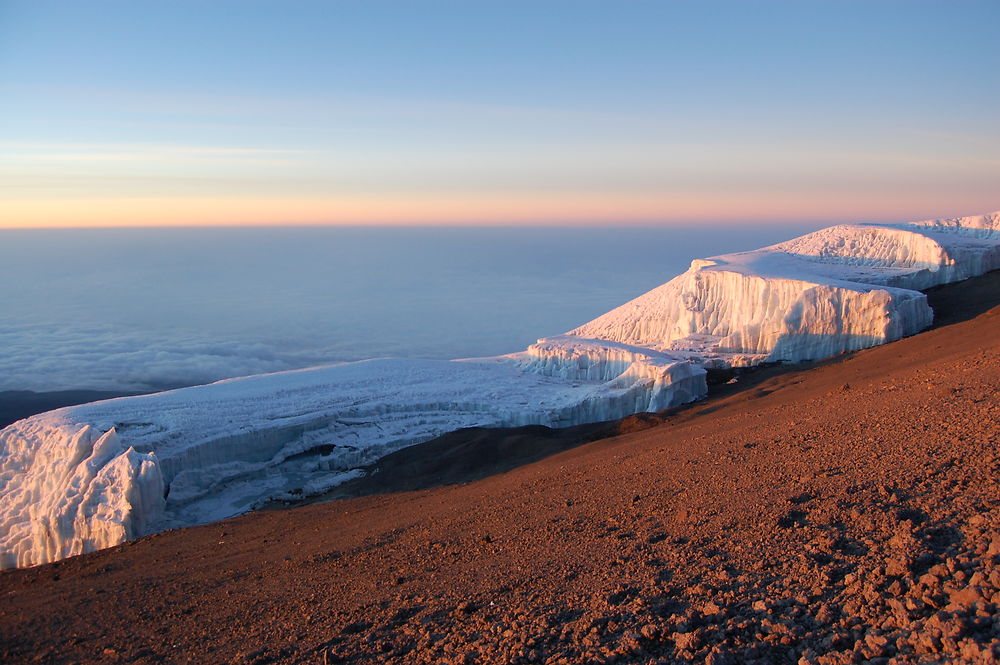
column 848, row 513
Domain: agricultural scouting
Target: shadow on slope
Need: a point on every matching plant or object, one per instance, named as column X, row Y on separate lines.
column 953, row 303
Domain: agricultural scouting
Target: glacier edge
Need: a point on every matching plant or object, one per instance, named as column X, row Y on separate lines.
column 87, row 477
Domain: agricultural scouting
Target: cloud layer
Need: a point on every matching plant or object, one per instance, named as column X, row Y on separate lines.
column 149, row 309
column 48, row 357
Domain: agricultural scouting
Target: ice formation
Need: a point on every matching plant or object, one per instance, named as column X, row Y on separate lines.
column 839, row 289
column 69, row 484
column 82, row 478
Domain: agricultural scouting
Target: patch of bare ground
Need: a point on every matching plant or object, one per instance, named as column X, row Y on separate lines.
column 843, row 514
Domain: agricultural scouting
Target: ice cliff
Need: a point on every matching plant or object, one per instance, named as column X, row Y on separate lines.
column 87, row 477
column 82, row 478
column 843, row 288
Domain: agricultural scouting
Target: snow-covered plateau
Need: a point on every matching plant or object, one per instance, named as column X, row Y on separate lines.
column 83, row 478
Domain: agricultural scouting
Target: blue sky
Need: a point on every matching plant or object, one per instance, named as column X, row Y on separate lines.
column 132, row 113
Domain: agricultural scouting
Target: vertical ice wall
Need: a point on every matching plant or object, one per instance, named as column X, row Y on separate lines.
column 722, row 310
column 57, row 501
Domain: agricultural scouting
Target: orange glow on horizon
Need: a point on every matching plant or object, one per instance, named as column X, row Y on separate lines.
column 467, row 210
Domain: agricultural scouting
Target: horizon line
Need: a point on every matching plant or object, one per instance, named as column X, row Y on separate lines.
column 651, row 224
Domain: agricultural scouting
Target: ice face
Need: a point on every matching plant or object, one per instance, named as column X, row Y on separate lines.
column 726, row 311
column 840, row 289
column 83, row 478
column 82, row 494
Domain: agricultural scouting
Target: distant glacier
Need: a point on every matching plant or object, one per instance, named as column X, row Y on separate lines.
column 83, row 478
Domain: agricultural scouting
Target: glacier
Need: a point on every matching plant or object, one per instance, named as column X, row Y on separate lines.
column 87, row 477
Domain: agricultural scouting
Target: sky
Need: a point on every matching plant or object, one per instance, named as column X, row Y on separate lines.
column 366, row 112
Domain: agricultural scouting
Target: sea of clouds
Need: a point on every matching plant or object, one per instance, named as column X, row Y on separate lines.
column 47, row 356
column 149, row 309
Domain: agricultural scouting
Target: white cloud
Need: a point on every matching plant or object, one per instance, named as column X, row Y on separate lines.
column 50, row 357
